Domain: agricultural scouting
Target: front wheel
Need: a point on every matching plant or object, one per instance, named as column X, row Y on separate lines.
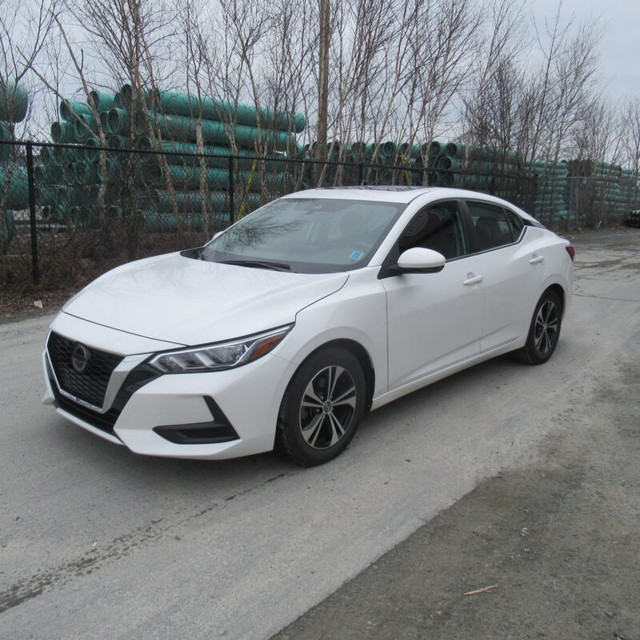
column 544, row 330
column 322, row 407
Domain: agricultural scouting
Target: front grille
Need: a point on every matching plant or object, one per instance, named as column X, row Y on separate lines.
column 90, row 385
column 103, row 421
column 136, row 379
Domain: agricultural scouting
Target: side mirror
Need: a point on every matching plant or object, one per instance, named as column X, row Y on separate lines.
column 420, row 260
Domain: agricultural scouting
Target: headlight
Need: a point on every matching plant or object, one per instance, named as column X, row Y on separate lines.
column 222, row 355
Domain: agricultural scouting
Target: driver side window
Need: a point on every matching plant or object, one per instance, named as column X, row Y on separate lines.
column 435, row 227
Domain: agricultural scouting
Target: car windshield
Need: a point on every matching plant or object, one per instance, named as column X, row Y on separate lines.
column 307, row 235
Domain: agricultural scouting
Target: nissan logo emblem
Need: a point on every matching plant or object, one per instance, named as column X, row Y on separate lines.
column 80, row 358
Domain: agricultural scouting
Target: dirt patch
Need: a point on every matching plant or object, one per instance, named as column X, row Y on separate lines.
column 557, row 545
column 15, row 307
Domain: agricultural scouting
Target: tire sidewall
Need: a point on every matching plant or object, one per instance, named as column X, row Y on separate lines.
column 533, row 353
column 294, row 443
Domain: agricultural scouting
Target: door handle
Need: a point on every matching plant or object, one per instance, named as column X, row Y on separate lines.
column 472, row 279
column 536, row 259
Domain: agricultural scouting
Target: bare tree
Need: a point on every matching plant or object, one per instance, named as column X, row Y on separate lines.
column 24, row 30
column 491, row 103
column 630, row 133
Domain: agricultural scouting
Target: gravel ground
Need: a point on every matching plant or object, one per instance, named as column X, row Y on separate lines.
column 553, row 548
column 519, row 482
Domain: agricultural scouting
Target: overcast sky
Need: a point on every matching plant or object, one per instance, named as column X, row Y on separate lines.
column 620, row 48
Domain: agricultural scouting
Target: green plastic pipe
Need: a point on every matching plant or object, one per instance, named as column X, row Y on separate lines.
column 409, row 150
column 189, row 178
column 104, row 121
column 14, row 186
column 387, row 149
column 92, row 153
column 192, row 201
column 124, row 97
column 80, row 195
column 117, row 121
column 445, row 162
column 305, row 151
column 333, row 149
column 46, row 194
column 119, row 142
column 94, row 148
column 183, row 129
column 5, row 149
column 63, row 132
column 80, row 127
column 112, row 173
column 102, row 101
column 182, row 104
column 213, row 156
column 78, row 216
column 70, row 107
column 14, row 101
column 87, row 173
column 362, row 150
column 433, row 149
column 64, row 155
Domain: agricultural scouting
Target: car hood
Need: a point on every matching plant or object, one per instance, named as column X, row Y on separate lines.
column 188, row 301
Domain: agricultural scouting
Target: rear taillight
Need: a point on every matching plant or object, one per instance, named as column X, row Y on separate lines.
column 571, row 251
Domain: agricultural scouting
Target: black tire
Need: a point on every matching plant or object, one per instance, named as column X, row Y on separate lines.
column 544, row 330
column 322, row 407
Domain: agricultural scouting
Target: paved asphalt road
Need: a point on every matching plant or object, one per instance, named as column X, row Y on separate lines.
column 96, row 542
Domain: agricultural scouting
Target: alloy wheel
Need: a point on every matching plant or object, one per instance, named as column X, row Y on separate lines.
column 328, row 406
column 545, row 333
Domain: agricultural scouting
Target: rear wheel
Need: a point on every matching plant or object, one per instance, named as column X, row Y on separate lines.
column 544, row 330
column 322, row 407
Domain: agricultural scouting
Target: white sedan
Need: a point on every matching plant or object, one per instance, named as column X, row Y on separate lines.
column 285, row 328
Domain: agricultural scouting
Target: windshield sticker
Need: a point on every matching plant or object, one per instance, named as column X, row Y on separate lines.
column 356, row 255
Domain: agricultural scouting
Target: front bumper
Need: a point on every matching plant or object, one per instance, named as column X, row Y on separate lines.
column 212, row 415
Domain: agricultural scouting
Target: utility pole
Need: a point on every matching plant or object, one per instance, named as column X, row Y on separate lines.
column 323, row 88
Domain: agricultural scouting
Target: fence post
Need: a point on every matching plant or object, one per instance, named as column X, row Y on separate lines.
column 231, row 188
column 35, row 265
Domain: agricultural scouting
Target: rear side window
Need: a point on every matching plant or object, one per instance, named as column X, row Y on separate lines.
column 516, row 222
column 490, row 225
column 435, row 227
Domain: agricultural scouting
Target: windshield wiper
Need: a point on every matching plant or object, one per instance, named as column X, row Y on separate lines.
column 258, row 264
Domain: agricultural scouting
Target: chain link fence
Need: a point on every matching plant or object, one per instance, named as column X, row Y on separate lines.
column 69, row 212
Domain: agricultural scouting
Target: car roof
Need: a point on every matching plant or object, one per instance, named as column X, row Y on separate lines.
column 388, row 193
column 404, row 195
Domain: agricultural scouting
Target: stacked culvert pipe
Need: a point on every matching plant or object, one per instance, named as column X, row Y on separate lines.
column 550, row 201
column 386, row 162
column 14, row 185
column 68, row 177
column 196, row 137
column 477, row 168
column 178, row 175
column 602, row 191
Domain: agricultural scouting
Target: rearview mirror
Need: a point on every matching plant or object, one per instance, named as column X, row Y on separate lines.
column 421, row 260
